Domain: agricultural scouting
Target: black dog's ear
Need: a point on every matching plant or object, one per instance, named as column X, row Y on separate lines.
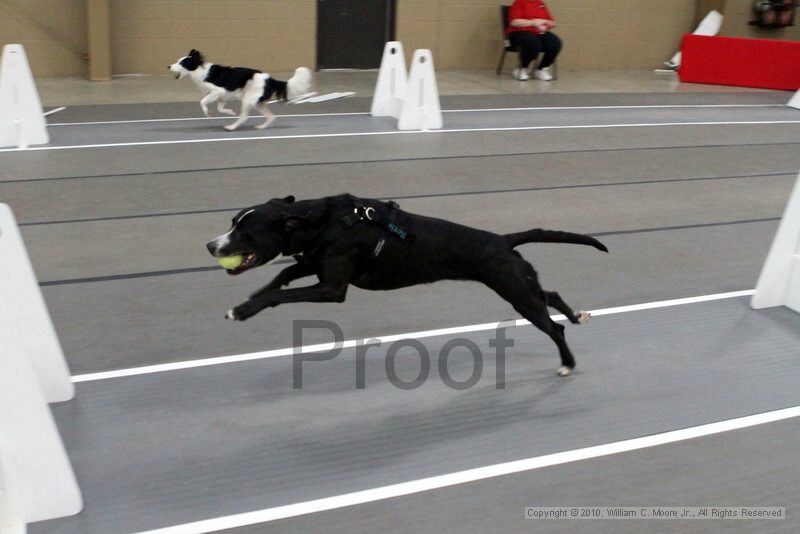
column 292, row 223
column 294, row 218
column 289, row 199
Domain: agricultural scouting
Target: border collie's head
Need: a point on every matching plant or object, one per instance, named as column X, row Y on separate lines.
column 187, row 64
column 260, row 233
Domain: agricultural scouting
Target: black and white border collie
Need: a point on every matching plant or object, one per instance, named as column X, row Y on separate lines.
column 250, row 86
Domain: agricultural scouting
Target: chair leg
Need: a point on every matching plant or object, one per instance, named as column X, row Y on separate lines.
column 500, row 63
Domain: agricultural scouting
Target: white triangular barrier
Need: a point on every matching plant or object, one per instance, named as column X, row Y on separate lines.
column 421, row 109
column 710, row 26
column 36, row 479
column 28, row 323
column 22, row 122
column 794, row 102
column 391, row 86
column 779, row 283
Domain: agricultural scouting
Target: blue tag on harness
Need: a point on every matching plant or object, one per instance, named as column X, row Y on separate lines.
column 396, row 230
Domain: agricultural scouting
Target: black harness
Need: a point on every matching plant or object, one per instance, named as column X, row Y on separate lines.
column 363, row 214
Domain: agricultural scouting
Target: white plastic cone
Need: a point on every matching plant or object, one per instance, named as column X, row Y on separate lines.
column 795, row 101
column 391, row 86
column 22, row 122
column 779, row 283
column 421, row 109
column 27, row 322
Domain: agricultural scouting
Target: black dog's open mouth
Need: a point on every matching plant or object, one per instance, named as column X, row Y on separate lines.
column 249, row 261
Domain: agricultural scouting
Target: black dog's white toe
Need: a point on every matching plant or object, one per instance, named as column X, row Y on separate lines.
column 583, row 317
column 231, row 315
column 564, row 371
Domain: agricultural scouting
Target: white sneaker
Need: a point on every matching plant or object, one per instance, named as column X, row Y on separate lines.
column 521, row 74
column 542, row 74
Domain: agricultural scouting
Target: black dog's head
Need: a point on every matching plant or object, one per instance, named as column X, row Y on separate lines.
column 261, row 233
column 187, row 64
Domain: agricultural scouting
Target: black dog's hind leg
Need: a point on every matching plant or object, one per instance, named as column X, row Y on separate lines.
column 554, row 300
column 284, row 278
column 516, row 281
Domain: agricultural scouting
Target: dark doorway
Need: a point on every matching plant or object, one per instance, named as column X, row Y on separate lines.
column 351, row 33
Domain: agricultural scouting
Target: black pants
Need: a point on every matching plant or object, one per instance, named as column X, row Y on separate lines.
column 530, row 46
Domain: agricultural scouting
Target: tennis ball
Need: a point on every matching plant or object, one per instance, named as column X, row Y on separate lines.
column 231, row 262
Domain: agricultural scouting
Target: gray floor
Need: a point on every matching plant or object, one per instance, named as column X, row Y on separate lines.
column 697, row 471
column 116, row 236
column 169, row 448
column 312, row 125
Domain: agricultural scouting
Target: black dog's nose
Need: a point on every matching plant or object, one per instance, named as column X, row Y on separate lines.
column 211, row 246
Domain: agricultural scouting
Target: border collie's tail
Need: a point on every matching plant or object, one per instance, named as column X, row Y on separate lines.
column 537, row 235
column 299, row 83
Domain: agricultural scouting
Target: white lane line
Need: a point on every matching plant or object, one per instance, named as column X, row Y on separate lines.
column 403, row 132
column 474, row 475
column 222, row 118
column 480, row 110
column 45, row 114
column 324, row 347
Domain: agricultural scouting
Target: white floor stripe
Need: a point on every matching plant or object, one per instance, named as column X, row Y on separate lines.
column 343, row 114
column 277, row 353
column 402, row 132
column 221, row 118
column 56, row 110
column 473, row 475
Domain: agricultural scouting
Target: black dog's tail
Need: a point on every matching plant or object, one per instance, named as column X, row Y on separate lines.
column 537, row 235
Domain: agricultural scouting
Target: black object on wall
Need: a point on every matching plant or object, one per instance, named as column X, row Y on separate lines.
column 351, row 33
column 774, row 13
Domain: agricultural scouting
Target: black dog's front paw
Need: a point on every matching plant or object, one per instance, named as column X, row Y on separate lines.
column 242, row 312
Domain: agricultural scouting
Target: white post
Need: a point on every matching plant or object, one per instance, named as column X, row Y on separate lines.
column 28, row 322
column 36, row 478
column 391, row 86
column 421, row 109
column 779, row 283
column 794, row 102
column 710, row 25
column 22, row 122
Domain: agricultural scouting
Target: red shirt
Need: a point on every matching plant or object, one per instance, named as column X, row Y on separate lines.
column 527, row 9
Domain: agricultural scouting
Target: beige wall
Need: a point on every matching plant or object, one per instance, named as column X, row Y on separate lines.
column 597, row 34
column 739, row 12
column 53, row 33
column 278, row 35
column 274, row 35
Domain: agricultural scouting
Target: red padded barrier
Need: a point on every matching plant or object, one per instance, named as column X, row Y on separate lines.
column 764, row 63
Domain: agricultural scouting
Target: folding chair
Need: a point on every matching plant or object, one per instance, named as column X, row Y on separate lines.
column 508, row 47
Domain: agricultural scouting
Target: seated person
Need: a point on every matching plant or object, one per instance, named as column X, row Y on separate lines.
column 529, row 25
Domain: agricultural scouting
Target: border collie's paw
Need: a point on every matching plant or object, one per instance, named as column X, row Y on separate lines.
column 205, row 112
column 583, row 317
column 243, row 311
column 227, row 111
column 230, row 127
column 564, row 371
